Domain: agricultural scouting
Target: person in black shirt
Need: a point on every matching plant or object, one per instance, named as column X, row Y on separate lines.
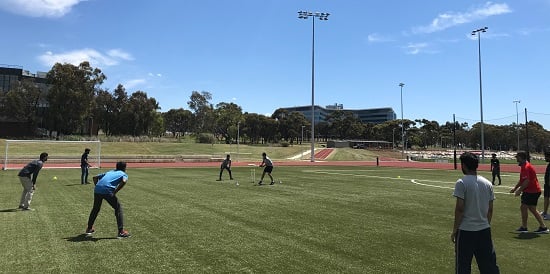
column 226, row 164
column 84, row 166
column 495, row 169
column 28, row 176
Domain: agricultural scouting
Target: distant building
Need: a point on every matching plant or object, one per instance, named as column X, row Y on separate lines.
column 371, row 115
column 9, row 77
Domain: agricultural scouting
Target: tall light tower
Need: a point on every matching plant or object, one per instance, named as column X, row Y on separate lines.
column 238, row 137
column 517, row 119
column 322, row 16
column 402, row 124
column 478, row 33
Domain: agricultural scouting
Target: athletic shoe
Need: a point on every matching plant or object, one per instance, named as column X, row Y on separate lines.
column 27, row 209
column 542, row 230
column 522, row 229
column 272, row 183
column 90, row 231
column 219, row 180
column 260, row 183
column 20, row 207
column 124, row 234
column 544, row 215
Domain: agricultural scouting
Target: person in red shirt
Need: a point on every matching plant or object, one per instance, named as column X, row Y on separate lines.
column 529, row 188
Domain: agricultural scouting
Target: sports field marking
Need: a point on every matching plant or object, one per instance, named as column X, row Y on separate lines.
column 414, row 181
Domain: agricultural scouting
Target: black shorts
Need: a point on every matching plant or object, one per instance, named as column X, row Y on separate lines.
column 530, row 199
column 546, row 190
column 268, row 169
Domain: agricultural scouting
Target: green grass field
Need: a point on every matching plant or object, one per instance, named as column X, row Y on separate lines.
column 319, row 220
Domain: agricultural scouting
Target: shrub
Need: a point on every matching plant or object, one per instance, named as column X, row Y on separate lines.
column 205, row 138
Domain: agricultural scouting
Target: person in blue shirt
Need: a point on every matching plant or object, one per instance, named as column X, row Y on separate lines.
column 107, row 185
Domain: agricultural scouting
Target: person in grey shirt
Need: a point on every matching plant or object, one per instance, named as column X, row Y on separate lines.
column 472, row 223
column 28, row 176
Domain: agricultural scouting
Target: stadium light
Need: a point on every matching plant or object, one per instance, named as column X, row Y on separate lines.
column 478, row 33
column 322, row 16
column 238, row 137
column 517, row 120
column 402, row 124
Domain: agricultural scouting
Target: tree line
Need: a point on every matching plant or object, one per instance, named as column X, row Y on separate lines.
column 76, row 104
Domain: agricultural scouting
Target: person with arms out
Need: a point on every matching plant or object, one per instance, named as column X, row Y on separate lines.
column 529, row 188
column 226, row 164
column 495, row 169
column 472, row 224
column 544, row 213
column 84, row 166
column 27, row 177
column 267, row 164
column 107, row 185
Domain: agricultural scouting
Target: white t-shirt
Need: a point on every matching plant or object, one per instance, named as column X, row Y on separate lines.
column 477, row 192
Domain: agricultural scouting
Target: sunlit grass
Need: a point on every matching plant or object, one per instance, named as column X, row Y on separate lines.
column 319, row 220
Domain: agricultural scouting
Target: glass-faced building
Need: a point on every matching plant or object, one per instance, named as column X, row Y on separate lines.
column 371, row 115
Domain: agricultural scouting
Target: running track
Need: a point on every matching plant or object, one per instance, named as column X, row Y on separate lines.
column 383, row 163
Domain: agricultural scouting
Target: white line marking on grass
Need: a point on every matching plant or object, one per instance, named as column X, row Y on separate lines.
column 414, row 181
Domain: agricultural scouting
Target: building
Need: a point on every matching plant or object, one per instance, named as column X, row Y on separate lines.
column 9, row 77
column 372, row 115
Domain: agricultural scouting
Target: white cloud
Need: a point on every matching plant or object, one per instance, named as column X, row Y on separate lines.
column 375, row 37
column 153, row 75
column 96, row 58
column 451, row 19
column 130, row 84
column 39, row 8
column 417, row 48
column 117, row 53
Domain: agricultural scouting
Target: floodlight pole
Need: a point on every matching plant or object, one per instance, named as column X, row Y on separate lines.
column 238, row 137
column 321, row 16
column 402, row 124
column 478, row 33
column 517, row 120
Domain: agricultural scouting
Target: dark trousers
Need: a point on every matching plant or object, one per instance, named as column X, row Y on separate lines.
column 228, row 170
column 113, row 201
column 84, row 176
column 478, row 244
column 496, row 174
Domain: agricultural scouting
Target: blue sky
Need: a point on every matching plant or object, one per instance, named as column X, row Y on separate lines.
column 257, row 53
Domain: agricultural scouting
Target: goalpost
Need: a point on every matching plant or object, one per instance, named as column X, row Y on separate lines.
column 62, row 154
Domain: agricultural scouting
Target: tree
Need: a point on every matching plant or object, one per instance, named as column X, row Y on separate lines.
column 141, row 111
column 227, row 116
column 157, row 124
column 104, row 112
column 178, row 121
column 71, row 95
column 120, row 115
column 200, row 104
column 24, row 102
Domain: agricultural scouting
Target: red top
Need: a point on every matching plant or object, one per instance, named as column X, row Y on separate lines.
column 528, row 173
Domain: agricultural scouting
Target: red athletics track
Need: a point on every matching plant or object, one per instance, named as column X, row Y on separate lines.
column 386, row 163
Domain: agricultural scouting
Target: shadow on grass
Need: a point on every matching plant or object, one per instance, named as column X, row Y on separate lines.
column 87, row 238
column 9, row 210
column 527, row 236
